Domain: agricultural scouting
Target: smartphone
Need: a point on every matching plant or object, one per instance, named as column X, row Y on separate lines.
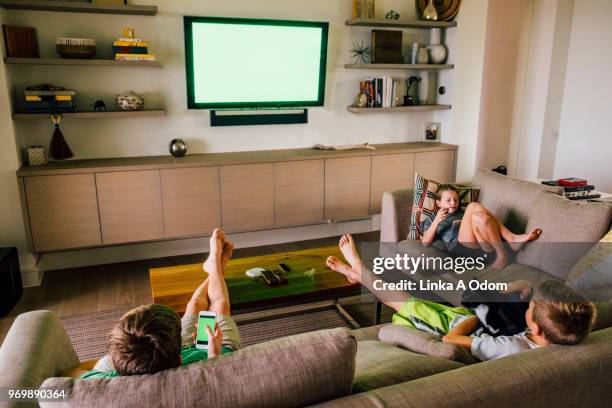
column 205, row 319
column 284, row 267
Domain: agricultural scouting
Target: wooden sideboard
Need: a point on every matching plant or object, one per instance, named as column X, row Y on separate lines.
column 90, row 203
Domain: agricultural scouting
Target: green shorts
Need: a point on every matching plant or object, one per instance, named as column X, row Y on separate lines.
column 429, row 316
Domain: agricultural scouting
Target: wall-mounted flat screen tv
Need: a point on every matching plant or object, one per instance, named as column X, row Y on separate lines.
column 252, row 63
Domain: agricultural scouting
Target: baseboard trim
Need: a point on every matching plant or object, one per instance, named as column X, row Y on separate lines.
column 31, row 277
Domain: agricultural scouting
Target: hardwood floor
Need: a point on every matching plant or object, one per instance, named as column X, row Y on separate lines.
column 94, row 288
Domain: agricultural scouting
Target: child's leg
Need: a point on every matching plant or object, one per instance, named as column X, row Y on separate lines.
column 218, row 294
column 358, row 272
column 199, row 300
column 479, row 226
column 516, row 241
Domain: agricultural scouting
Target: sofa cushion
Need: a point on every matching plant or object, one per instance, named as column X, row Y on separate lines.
column 569, row 230
column 424, row 343
column 424, row 202
column 594, row 270
column 562, row 376
column 603, row 319
column 380, row 364
column 367, row 333
column 289, row 372
column 509, row 199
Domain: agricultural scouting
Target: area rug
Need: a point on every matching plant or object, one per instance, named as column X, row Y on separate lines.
column 88, row 332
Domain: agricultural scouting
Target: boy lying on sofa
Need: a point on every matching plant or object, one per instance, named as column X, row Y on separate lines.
column 475, row 229
column 153, row 337
column 556, row 314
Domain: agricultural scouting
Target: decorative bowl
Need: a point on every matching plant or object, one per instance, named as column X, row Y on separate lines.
column 78, row 48
column 130, row 101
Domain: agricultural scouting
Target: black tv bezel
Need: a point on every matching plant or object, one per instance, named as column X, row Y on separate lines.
column 192, row 104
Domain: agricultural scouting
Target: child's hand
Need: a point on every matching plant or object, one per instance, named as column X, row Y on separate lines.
column 521, row 286
column 214, row 341
column 441, row 215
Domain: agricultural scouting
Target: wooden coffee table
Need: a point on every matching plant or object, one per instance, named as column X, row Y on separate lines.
column 173, row 286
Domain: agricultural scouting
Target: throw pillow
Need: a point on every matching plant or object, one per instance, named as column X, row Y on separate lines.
column 424, row 343
column 424, row 204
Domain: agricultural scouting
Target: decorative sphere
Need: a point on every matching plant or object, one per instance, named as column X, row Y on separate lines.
column 178, row 148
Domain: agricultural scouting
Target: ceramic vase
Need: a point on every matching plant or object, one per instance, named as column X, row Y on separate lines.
column 430, row 12
column 437, row 52
column 423, row 56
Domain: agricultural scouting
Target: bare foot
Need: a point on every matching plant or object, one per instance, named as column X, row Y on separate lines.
column 337, row 265
column 228, row 249
column 212, row 263
column 347, row 247
column 519, row 240
column 501, row 260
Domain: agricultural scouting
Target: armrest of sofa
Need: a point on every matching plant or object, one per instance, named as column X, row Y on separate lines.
column 35, row 348
column 395, row 216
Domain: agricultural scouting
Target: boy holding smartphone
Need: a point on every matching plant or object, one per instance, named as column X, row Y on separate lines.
column 153, row 338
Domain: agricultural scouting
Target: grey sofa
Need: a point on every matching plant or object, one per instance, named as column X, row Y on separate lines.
column 570, row 230
column 330, row 368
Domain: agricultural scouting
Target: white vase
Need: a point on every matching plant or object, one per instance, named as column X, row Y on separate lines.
column 437, row 52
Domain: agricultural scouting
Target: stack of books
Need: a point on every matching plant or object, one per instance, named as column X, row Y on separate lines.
column 128, row 48
column 575, row 188
column 381, row 92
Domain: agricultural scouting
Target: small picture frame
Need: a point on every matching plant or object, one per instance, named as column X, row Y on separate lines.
column 431, row 132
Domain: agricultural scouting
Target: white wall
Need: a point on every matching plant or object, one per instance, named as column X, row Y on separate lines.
column 499, row 80
column 585, row 137
column 12, row 231
column 166, row 88
column 466, row 51
column 556, row 88
column 531, row 95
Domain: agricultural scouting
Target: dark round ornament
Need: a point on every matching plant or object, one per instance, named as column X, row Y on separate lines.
column 178, row 148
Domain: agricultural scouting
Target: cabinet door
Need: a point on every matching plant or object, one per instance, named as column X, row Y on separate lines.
column 130, row 206
column 63, row 211
column 247, row 197
column 439, row 166
column 347, row 188
column 298, row 192
column 389, row 173
column 191, row 201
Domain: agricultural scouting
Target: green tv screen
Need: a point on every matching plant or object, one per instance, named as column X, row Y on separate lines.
column 247, row 63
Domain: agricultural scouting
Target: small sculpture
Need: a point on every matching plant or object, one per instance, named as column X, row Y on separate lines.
column 130, row 101
column 361, row 52
column 411, row 99
column 58, row 148
column 177, row 147
column 392, row 15
column 99, row 106
column 430, row 13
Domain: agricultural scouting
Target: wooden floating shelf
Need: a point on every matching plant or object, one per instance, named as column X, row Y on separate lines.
column 416, row 108
column 420, row 67
column 93, row 115
column 77, row 7
column 69, row 61
column 383, row 22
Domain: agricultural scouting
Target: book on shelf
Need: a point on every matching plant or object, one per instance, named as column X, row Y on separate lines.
column 135, row 57
column 20, row 42
column 130, row 50
column 569, row 189
column 380, row 92
column 143, row 44
column 585, row 197
column 572, row 182
column 130, row 39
